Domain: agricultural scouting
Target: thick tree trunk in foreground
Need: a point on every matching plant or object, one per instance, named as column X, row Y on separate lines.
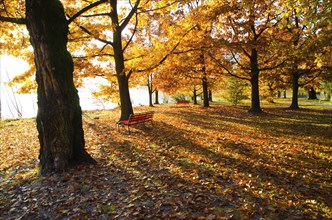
column 295, row 82
column 59, row 118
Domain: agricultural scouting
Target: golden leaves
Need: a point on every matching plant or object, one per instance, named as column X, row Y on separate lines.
column 193, row 163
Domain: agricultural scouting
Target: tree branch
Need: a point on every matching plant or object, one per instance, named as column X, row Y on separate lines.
column 273, row 67
column 96, row 15
column 83, row 10
column 226, row 69
column 13, row 20
column 312, row 79
column 171, row 52
column 132, row 36
column 162, row 7
column 129, row 16
column 91, row 34
column 238, row 62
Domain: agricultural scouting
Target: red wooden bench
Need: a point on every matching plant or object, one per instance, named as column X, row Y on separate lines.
column 182, row 102
column 136, row 119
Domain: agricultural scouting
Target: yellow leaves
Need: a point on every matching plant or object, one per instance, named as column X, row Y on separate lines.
column 18, row 148
column 108, row 93
column 319, row 62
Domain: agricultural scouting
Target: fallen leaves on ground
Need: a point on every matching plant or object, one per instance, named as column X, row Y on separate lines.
column 191, row 163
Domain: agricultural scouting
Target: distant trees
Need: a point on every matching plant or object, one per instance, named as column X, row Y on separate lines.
column 235, row 90
column 247, row 40
column 272, row 42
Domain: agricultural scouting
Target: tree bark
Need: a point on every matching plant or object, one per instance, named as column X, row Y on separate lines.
column 312, row 94
column 126, row 106
column 205, row 91
column 150, row 91
column 123, row 79
column 254, row 80
column 59, row 117
column 195, row 96
column 279, row 94
column 156, row 97
column 295, row 97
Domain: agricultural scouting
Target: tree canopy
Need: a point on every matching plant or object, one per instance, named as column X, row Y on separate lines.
column 125, row 41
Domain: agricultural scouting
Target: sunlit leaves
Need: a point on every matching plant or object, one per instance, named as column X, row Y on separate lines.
column 192, row 163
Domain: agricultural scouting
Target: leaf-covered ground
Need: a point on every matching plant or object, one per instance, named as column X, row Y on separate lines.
column 192, row 163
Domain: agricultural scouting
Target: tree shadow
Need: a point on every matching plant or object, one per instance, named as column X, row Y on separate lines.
column 191, row 164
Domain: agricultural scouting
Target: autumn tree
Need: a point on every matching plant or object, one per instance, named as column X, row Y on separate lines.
column 235, row 90
column 115, row 30
column 244, row 41
column 59, row 118
column 308, row 24
column 189, row 59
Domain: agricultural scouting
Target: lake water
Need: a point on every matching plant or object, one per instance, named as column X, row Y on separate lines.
column 15, row 105
column 12, row 105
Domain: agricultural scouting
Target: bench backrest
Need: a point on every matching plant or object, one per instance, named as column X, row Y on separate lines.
column 182, row 102
column 146, row 116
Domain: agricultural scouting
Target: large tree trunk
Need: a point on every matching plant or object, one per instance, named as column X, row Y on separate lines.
column 59, row 118
column 205, row 91
column 123, row 79
column 295, row 82
column 195, row 96
column 156, row 92
column 255, row 100
column 150, row 91
column 126, row 106
column 279, row 94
